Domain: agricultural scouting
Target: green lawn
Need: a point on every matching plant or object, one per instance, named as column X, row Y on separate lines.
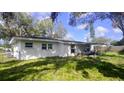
column 107, row 67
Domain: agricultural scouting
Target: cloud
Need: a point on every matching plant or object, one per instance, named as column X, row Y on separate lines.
column 41, row 15
column 100, row 31
column 86, row 37
column 83, row 26
column 117, row 30
column 68, row 37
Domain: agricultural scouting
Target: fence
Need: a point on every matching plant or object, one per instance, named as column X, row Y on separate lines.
column 116, row 48
column 2, row 57
column 5, row 56
column 110, row 48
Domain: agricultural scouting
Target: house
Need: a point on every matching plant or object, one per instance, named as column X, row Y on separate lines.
column 25, row 48
column 96, row 46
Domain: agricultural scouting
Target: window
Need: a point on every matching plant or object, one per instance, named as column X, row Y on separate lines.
column 50, row 46
column 29, row 45
column 72, row 48
column 44, row 46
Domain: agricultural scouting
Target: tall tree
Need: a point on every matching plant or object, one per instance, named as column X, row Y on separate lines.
column 60, row 31
column 45, row 27
column 117, row 19
column 16, row 24
column 92, row 31
column 102, row 40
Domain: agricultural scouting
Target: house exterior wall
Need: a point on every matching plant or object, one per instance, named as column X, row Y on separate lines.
column 24, row 53
column 36, row 51
column 81, row 48
column 16, row 49
column 92, row 47
column 59, row 49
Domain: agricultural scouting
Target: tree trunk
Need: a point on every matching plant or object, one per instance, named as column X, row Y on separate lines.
column 121, row 42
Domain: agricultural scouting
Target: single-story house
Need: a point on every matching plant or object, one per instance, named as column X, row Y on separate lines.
column 25, row 48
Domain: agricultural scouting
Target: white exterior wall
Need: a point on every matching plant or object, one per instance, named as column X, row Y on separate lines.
column 59, row 49
column 16, row 49
column 93, row 47
column 65, row 50
column 36, row 51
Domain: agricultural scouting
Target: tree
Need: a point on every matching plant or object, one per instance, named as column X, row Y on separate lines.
column 54, row 16
column 16, row 24
column 48, row 29
column 117, row 19
column 102, row 40
column 77, row 18
column 92, row 31
column 114, row 42
column 74, row 17
column 45, row 27
column 60, row 31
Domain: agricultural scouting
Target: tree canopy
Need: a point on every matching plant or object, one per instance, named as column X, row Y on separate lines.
column 77, row 18
column 45, row 27
column 60, row 31
column 102, row 40
column 16, row 24
column 23, row 24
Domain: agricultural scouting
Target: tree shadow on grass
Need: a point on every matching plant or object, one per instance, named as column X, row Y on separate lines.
column 121, row 52
column 121, row 66
column 119, row 56
column 10, row 63
column 106, row 68
column 57, row 61
column 18, row 72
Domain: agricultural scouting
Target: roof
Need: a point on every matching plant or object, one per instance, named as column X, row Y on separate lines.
column 92, row 43
column 44, row 39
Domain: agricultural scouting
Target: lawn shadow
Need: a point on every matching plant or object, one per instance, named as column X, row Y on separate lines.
column 18, row 72
column 10, row 63
column 106, row 68
column 113, row 55
column 121, row 52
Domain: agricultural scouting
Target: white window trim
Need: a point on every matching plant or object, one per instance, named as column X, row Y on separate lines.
column 28, row 42
column 42, row 45
column 47, row 48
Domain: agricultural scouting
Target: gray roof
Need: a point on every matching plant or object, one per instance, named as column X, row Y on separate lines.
column 45, row 39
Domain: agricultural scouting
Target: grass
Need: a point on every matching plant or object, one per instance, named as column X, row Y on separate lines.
column 109, row 66
column 3, row 57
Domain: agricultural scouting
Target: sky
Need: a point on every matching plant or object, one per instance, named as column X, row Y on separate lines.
column 102, row 28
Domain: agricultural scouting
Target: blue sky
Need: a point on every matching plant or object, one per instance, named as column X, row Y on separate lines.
column 102, row 28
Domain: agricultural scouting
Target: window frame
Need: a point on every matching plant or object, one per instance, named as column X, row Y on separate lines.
column 42, row 46
column 27, row 45
column 50, row 47
column 73, row 48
